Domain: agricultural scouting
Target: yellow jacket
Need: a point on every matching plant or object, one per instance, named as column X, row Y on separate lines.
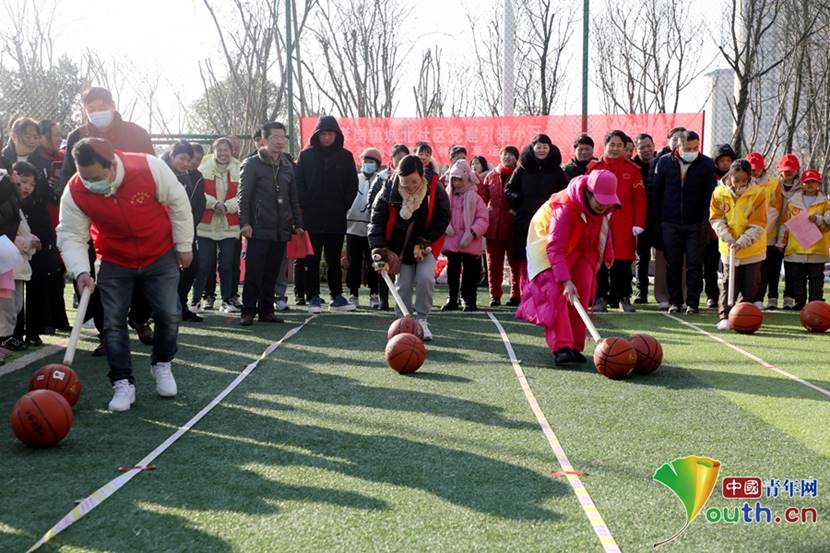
column 775, row 202
column 742, row 219
column 793, row 250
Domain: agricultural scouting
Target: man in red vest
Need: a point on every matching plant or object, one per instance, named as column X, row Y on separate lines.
column 139, row 218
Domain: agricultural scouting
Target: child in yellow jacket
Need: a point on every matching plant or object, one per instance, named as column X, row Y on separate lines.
column 738, row 214
column 801, row 262
column 771, row 266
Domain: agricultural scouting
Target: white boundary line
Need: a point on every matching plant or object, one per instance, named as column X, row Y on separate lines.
column 101, row 494
column 609, row 545
column 752, row 356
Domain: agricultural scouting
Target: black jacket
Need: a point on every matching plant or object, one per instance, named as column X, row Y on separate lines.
column 326, row 181
column 9, row 205
column 389, row 196
column 268, row 197
column 531, row 185
column 576, row 168
column 683, row 201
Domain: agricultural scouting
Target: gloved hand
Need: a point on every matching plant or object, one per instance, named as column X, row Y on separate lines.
column 637, row 231
column 384, row 258
column 466, row 239
column 742, row 242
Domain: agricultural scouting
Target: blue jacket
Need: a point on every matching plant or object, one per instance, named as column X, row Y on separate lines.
column 678, row 201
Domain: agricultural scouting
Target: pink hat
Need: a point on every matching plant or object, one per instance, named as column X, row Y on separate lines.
column 603, row 185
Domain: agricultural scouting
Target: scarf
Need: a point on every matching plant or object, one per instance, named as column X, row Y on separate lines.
column 411, row 200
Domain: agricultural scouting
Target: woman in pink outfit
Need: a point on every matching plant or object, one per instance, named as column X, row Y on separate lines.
column 569, row 238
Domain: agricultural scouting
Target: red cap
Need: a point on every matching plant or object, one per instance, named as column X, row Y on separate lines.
column 811, row 175
column 603, row 185
column 789, row 163
column 756, row 161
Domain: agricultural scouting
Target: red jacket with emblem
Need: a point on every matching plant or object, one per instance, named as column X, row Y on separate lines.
column 632, row 196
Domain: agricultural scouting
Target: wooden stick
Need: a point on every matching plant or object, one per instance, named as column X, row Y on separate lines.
column 587, row 320
column 731, row 292
column 69, row 356
column 394, row 291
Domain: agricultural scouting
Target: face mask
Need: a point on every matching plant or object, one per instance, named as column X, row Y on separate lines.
column 98, row 186
column 101, row 119
column 369, row 167
column 689, row 157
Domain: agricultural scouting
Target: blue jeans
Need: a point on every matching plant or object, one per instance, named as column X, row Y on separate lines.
column 205, row 283
column 159, row 282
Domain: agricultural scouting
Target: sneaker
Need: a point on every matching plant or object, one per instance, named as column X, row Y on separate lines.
column 190, row 316
column 564, row 356
column 663, row 306
column 234, row 301
column 626, row 307
column 451, row 306
column 425, row 327
column 281, row 305
column 723, row 324
column 513, row 302
column 759, row 305
column 641, row 300
column 495, row 302
column 600, row 306
column 165, row 383
column 247, row 319
column 207, row 303
column 34, row 340
column 374, row 301
column 578, row 357
column 712, row 303
column 314, row 305
column 789, row 303
column 228, row 307
column 772, row 304
column 13, row 344
column 470, row 308
column 354, row 300
column 692, row 310
column 123, row 395
column 341, row 304
column 300, row 302
column 674, row 309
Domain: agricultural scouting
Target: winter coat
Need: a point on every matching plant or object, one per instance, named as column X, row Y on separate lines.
column 683, row 201
column 492, row 192
column 742, row 218
column 47, row 260
column 220, row 187
column 194, row 185
column 576, row 168
column 326, row 181
column 9, row 208
column 647, row 173
column 123, row 135
column 357, row 218
column 268, row 197
column 794, row 251
column 430, row 220
column 461, row 236
column 531, row 185
column 632, row 195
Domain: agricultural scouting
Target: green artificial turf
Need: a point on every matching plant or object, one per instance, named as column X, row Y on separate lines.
column 323, row 448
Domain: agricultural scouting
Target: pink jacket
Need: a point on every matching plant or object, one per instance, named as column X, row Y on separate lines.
column 460, row 238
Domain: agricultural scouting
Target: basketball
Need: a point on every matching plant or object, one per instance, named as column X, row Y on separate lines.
column 745, row 318
column 405, row 353
column 815, row 316
column 408, row 325
column 41, row 418
column 615, row 357
column 58, row 378
column 649, row 353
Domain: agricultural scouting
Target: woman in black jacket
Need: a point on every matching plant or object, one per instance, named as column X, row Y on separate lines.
column 537, row 177
column 409, row 217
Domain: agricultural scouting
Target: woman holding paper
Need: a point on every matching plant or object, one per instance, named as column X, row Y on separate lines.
column 738, row 213
column 805, row 238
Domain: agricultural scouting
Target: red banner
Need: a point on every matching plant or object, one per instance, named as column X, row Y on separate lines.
column 486, row 135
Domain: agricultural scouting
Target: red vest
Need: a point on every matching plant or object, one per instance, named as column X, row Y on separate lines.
column 210, row 189
column 393, row 214
column 131, row 228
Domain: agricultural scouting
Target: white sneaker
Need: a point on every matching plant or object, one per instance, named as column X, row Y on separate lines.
column 663, row 305
column 355, row 300
column 207, row 304
column 123, row 395
column 789, row 303
column 374, row 301
column 165, row 383
column 228, row 308
column 281, row 305
column 723, row 324
column 759, row 305
column 772, row 303
column 425, row 327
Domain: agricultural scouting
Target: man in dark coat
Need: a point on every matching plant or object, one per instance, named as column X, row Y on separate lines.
column 644, row 159
column 269, row 212
column 583, row 155
column 327, row 185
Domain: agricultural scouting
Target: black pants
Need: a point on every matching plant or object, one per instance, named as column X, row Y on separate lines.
column 360, row 261
column 614, row 284
column 262, row 264
column 747, row 282
column 187, row 277
column 463, row 268
column 644, row 243
column 801, row 273
column 771, row 274
column 237, row 261
column 681, row 241
column 333, row 246
column 300, row 277
column 711, row 261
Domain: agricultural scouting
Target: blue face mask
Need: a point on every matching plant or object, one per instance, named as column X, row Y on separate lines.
column 101, row 119
column 369, row 167
column 98, row 186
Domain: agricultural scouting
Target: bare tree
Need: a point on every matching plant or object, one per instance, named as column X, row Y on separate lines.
column 643, row 62
column 429, row 92
column 487, row 74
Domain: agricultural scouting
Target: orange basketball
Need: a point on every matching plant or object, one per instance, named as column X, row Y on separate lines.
column 745, row 318
column 815, row 316
column 615, row 357
column 408, row 325
column 41, row 418
column 58, row 378
column 649, row 353
column 405, row 353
